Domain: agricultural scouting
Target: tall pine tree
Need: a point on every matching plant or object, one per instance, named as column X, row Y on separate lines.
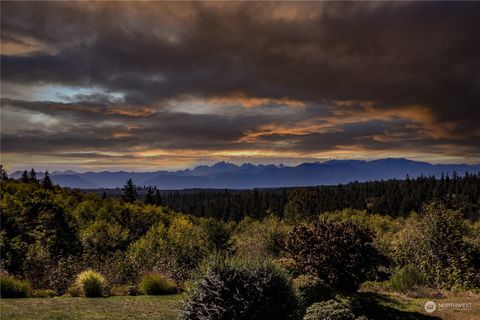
column 46, row 181
column 25, row 178
column 130, row 191
column 149, row 197
column 32, row 177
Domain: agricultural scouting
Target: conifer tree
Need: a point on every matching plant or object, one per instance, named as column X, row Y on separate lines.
column 149, row 197
column 32, row 176
column 46, row 181
column 25, row 178
column 130, row 191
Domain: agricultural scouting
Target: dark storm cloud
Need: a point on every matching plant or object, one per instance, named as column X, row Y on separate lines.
column 392, row 56
column 87, row 125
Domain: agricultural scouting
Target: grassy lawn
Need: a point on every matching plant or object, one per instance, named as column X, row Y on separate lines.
column 377, row 306
column 140, row 307
column 417, row 305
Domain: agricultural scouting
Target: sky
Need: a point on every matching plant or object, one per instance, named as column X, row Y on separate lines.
column 158, row 85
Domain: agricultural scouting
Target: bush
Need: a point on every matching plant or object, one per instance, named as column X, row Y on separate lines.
column 328, row 310
column 91, row 284
column 43, row 293
column 232, row 290
column 406, row 278
column 260, row 239
column 310, row 289
column 157, row 284
column 175, row 250
column 132, row 290
column 341, row 254
column 436, row 245
column 63, row 274
column 74, row 291
column 13, row 288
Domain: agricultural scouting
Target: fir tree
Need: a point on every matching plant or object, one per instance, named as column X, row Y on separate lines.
column 25, row 178
column 149, row 197
column 130, row 191
column 46, row 181
column 32, row 177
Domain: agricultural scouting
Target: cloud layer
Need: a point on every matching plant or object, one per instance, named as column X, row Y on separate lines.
column 164, row 84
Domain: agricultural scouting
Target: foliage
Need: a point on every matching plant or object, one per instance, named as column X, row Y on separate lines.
column 340, row 254
column 63, row 274
column 328, row 310
column 32, row 215
column 176, row 249
column 234, row 290
column 102, row 236
column 43, row 293
column 288, row 264
column 74, row 291
column 91, row 284
column 406, row 278
column 260, row 239
column 395, row 198
column 49, row 235
column 435, row 244
column 130, row 191
column 46, row 182
column 13, row 288
column 38, row 264
column 219, row 235
column 310, row 289
column 156, row 284
column 300, row 206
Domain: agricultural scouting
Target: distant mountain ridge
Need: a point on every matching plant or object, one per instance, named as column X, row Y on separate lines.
column 225, row 175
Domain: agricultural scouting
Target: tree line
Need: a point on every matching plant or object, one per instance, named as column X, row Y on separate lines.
column 396, row 198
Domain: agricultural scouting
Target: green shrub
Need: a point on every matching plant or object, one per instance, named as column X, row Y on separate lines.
column 406, row 278
column 175, row 249
column 157, row 284
column 91, row 284
column 232, row 290
column 328, row 310
column 43, row 293
column 13, row 288
column 310, row 289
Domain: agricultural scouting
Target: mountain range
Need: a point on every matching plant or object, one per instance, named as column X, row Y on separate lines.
column 227, row 175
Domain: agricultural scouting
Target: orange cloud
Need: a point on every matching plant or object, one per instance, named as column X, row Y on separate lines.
column 252, row 102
